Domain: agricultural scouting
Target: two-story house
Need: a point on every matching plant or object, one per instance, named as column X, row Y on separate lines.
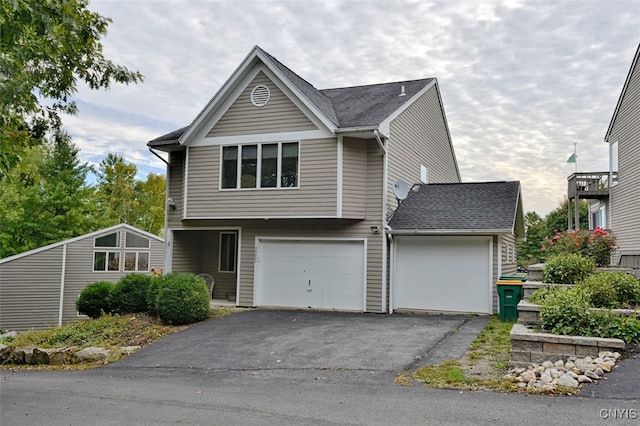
column 614, row 195
column 282, row 192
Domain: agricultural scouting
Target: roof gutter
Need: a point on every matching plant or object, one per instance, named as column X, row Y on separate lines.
column 448, row 231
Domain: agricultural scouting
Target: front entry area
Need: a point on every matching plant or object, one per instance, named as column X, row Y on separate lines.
column 310, row 273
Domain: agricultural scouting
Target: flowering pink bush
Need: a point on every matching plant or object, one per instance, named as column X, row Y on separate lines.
column 596, row 244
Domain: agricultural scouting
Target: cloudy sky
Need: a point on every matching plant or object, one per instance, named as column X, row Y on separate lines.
column 521, row 81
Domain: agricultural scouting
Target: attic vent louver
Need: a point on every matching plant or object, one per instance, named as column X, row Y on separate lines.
column 260, row 95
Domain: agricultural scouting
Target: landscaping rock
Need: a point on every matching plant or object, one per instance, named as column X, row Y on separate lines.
column 8, row 334
column 92, row 354
column 7, row 351
column 567, row 381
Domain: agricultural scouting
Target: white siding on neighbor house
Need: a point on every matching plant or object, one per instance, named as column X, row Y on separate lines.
column 280, row 114
column 315, row 196
column 419, row 136
column 625, row 196
column 30, row 291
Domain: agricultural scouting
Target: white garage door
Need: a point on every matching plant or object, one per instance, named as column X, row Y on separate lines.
column 443, row 274
column 324, row 274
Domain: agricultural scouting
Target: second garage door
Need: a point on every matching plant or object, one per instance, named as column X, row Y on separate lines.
column 323, row 274
column 443, row 274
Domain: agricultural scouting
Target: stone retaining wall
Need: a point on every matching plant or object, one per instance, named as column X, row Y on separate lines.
column 529, row 347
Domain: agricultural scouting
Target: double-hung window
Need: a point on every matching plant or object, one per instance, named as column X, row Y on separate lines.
column 256, row 166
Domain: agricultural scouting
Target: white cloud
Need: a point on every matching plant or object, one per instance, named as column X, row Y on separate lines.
column 521, row 81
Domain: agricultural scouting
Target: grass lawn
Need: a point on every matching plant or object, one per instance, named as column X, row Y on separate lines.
column 483, row 366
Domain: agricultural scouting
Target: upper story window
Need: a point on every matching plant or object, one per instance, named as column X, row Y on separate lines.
column 135, row 241
column 266, row 165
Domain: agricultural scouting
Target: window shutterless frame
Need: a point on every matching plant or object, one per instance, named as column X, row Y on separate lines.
column 272, row 165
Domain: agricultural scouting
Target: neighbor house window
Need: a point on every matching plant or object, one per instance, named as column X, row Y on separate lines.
column 107, row 260
column 267, row 165
column 228, row 245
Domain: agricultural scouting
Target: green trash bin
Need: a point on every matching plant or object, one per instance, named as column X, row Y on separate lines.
column 518, row 276
column 510, row 294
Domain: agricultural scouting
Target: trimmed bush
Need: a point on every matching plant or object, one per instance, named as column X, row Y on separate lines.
column 599, row 287
column 565, row 310
column 181, row 299
column 568, row 269
column 628, row 288
column 95, row 299
column 152, row 295
column 130, row 294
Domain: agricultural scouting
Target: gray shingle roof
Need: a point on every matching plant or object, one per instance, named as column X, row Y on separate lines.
column 458, row 206
column 346, row 107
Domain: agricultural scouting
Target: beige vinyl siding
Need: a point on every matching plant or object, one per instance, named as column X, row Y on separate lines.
column 354, row 174
column 419, row 136
column 315, row 196
column 625, row 215
column 30, row 291
column 187, row 251
column 280, row 114
column 175, row 178
column 509, row 263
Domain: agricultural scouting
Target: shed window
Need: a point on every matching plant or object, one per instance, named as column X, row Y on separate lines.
column 136, row 261
column 136, row 241
column 106, row 261
column 110, row 240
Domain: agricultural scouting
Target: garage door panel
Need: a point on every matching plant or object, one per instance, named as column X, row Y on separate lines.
column 443, row 274
column 310, row 273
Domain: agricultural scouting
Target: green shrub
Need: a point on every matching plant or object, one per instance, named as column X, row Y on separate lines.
column 541, row 294
column 628, row 288
column 597, row 244
column 152, row 295
column 565, row 311
column 130, row 294
column 181, row 299
column 95, row 299
column 599, row 287
column 567, row 268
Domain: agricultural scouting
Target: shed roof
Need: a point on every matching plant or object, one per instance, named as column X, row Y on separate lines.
column 81, row 237
column 490, row 207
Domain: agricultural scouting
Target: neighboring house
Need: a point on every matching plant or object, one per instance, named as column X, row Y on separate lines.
column 615, row 195
column 282, row 192
column 39, row 288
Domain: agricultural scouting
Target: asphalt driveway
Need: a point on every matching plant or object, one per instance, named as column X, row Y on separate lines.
column 301, row 340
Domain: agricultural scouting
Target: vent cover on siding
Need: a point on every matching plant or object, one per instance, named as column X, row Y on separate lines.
column 260, row 95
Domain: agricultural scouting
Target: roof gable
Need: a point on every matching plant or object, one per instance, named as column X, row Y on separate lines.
column 337, row 109
column 82, row 237
column 494, row 207
column 635, row 67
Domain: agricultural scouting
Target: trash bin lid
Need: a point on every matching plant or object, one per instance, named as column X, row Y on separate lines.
column 520, row 277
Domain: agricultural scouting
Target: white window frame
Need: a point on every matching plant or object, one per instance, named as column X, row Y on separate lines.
column 258, row 167
column 137, row 261
column 106, row 264
column 234, row 251
column 141, row 248
column 424, row 173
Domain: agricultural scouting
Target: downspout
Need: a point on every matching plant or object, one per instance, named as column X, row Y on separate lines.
column 158, row 155
column 385, row 226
